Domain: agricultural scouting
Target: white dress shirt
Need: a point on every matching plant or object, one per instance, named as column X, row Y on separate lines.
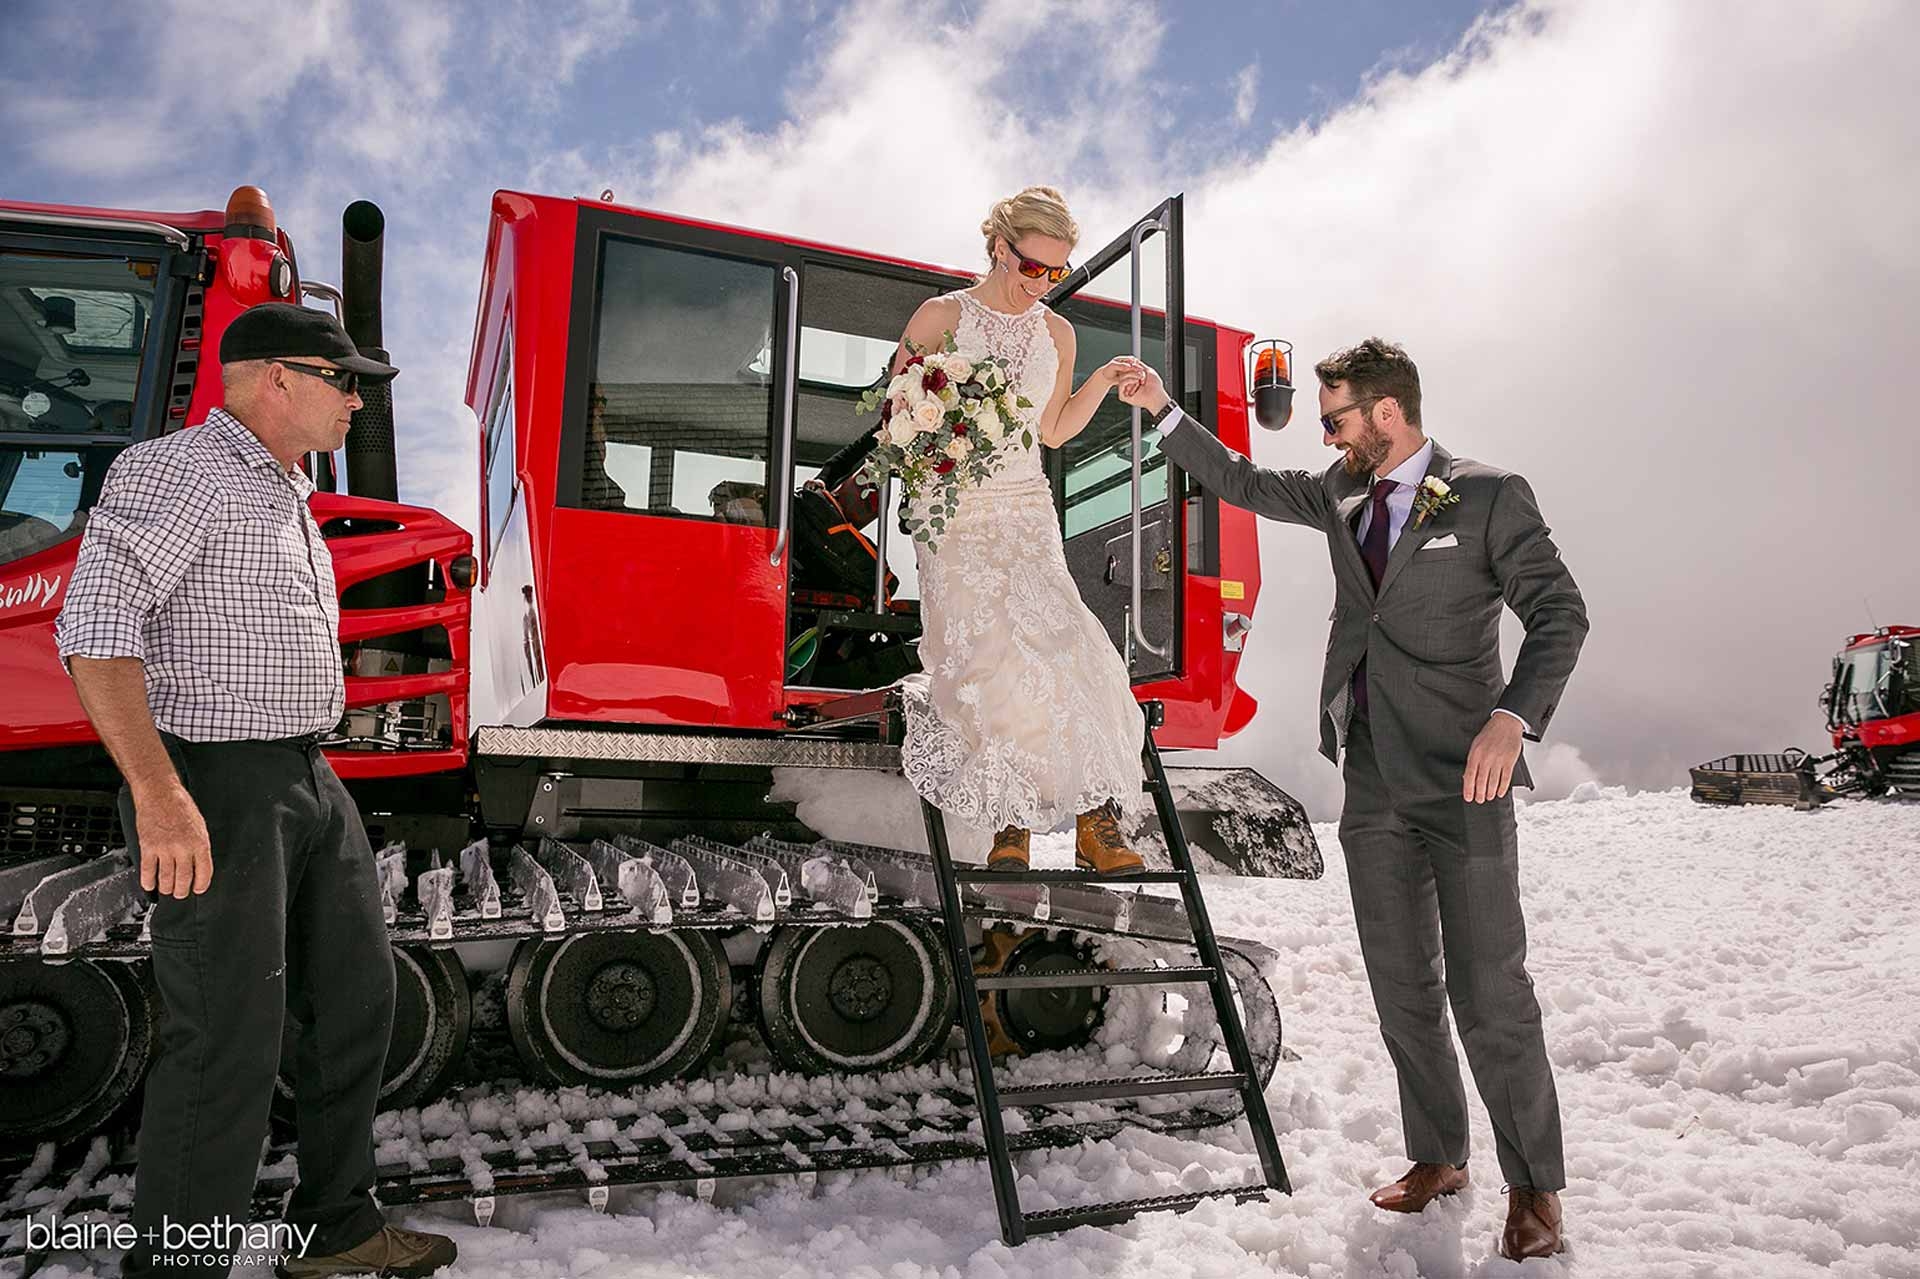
column 1406, row 477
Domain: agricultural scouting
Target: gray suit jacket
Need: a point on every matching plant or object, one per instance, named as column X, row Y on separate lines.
column 1431, row 633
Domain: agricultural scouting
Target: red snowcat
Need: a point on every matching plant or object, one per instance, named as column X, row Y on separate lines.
column 1873, row 712
column 562, row 729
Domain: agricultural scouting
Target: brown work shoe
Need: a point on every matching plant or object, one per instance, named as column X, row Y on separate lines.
column 1098, row 844
column 1533, row 1224
column 1423, row 1184
column 391, row 1251
column 1010, row 849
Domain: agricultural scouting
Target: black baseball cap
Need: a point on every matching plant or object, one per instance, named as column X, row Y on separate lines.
column 280, row 330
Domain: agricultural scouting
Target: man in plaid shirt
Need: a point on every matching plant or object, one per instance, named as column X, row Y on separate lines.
column 201, row 629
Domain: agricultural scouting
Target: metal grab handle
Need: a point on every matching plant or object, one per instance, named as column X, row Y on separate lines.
column 880, row 547
column 1140, row 233
column 792, row 278
column 325, row 292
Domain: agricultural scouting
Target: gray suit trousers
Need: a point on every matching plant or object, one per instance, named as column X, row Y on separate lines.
column 1433, row 880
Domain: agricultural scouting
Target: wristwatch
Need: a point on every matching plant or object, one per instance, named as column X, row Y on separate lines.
column 1160, row 418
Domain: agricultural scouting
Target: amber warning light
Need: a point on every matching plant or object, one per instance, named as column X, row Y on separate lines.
column 1271, row 385
column 248, row 207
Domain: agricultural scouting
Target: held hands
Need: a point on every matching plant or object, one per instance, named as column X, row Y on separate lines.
column 1139, row 385
column 1490, row 761
column 174, row 853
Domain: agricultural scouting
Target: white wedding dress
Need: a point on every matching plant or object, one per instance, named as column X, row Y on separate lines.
column 1022, row 715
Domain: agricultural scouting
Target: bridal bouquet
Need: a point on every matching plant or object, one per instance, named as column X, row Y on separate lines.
column 946, row 423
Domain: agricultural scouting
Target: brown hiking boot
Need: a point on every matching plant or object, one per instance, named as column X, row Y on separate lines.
column 1098, row 844
column 1423, row 1184
column 391, row 1251
column 1009, row 849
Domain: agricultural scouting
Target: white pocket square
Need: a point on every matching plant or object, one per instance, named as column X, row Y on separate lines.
column 1448, row 540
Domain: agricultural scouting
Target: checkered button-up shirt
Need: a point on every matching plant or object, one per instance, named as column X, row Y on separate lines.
column 202, row 560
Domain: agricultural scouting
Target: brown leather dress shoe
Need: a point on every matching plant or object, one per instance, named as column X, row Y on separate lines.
column 1533, row 1224
column 1423, row 1184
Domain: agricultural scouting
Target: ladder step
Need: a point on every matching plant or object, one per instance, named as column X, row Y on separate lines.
column 1064, row 978
column 981, row 875
column 1126, row 1086
column 1107, row 1214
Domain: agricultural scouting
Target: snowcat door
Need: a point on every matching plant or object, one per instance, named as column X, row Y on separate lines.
column 1125, row 539
column 671, row 545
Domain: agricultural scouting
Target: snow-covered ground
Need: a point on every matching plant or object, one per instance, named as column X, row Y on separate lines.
column 1732, row 1003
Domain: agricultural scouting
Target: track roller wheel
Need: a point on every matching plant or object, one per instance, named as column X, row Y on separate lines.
column 618, row 1009
column 75, row 1039
column 432, row 1013
column 876, row 997
column 1031, row 1021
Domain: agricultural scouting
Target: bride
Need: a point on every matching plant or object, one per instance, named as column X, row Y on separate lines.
column 1024, row 714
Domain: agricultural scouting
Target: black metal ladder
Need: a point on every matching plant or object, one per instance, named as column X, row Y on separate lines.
column 1243, row 1077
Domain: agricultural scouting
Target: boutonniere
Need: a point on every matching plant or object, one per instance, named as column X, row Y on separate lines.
column 1434, row 494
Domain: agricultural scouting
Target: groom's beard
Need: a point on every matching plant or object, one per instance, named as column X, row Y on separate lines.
column 1365, row 455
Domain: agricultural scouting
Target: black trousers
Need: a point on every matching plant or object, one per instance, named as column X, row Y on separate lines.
column 1436, row 898
column 292, row 922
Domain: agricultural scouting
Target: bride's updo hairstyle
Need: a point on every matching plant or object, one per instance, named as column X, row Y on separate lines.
column 1034, row 211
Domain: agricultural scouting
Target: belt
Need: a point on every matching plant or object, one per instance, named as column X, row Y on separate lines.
column 304, row 742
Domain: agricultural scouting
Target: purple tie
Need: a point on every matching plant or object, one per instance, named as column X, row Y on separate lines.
column 1373, row 549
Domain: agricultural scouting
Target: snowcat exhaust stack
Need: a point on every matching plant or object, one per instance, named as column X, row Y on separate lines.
column 371, row 467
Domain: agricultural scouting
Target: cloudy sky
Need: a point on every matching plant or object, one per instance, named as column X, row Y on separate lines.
column 1662, row 258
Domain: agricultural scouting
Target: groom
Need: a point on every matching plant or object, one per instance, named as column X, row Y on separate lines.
column 1426, row 547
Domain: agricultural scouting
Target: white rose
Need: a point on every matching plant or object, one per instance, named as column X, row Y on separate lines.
column 901, row 382
column 958, row 447
column 927, row 415
column 900, row 430
column 957, row 366
column 916, row 394
column 991, row 426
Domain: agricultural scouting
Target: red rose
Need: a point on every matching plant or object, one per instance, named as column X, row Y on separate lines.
column 944, row 466
column 913, row 360
column 935, row 381
column 959, row 428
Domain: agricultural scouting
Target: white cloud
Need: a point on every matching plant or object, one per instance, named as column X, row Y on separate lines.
column 1246, row 93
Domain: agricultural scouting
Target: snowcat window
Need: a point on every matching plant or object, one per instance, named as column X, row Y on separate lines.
column 850, row 324
column 73, row 329
column 1868, row 684
column 1099, row 459
column 73, row 333
column 680, row 399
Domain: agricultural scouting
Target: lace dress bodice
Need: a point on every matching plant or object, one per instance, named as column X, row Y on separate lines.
column 1026, row 344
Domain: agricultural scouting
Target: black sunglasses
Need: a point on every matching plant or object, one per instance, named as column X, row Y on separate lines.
column 1329, row 422
column 345, row 381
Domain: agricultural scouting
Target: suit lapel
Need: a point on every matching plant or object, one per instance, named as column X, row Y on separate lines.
column 1411, row 538
column 1346, row 510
